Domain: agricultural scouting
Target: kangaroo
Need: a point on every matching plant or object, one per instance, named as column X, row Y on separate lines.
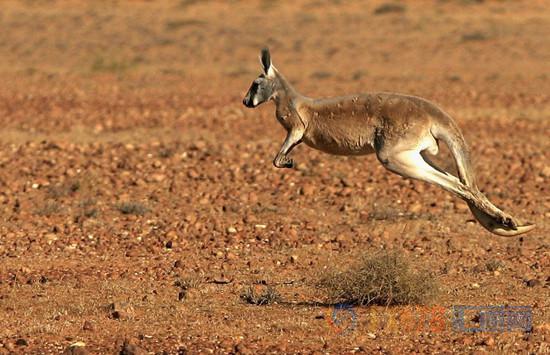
column 399, row 129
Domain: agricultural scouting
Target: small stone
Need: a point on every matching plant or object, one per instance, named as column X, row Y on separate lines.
column 231, row 256
column 475, row 285
column 172, row 235
column 546, row 171
column 50, row 238
column 120, row 310
column 260, row 226
column 371, row 335
column 231, row 230
column 130, row 348
column 417, row 207
column 87, row 325
column 77, row 348
column 307, row 190
column 293, row 258
column 158, row 177
column 532, row 283
column 21, row 342
column 181, row 295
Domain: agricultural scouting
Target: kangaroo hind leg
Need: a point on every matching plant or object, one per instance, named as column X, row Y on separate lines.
column 410, row 163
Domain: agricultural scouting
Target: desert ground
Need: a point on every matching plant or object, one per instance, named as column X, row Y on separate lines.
column 139, row 202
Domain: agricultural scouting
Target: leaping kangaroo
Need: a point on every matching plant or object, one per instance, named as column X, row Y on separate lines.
column 400, row 129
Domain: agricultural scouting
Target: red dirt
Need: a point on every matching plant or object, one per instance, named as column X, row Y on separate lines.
column 105, row 103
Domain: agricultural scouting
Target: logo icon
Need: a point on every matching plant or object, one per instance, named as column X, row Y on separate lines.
column 342, row 319
column 493, row 318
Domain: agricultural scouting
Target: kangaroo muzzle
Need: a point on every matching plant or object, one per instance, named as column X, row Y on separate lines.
column 247, row 101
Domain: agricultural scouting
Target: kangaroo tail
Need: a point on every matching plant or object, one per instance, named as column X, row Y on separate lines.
column 487, row 214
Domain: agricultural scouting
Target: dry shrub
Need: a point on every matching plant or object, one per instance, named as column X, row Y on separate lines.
column 49, row 208
column 269, row 295
column 494, row 265
column 389, row 8
column 474, row 36
column 64, row 189
column 132, row 207
column 380, row 278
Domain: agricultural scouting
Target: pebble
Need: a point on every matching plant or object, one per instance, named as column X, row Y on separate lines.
column 415, row 208
column 77, row 348
column 21, row 342
column 158, row 177
column 231, row 230
column 231, row 256
column 130, row 348
column 120, row 310
column 87, row 325
column 307, row 190
column 532, row 282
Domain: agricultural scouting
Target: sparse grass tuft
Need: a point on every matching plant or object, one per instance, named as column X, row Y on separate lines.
column 494, row 265
column 474, row 36
column 320, row 75
column 389, row 8
column 64, row 189
column 380, row 278
column 184, row 285
column 88, row 208
column 111, row 65
column 269, row 295
column 49, row 208
column 187, row 283
column 132, row 207
column 177, row 24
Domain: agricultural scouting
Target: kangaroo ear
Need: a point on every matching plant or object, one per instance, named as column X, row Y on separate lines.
column 265, row 59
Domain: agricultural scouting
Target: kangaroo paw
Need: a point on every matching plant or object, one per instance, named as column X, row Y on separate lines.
column 508, row 221
column 498, row 222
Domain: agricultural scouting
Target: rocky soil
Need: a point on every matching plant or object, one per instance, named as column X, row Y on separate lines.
column 138, row 199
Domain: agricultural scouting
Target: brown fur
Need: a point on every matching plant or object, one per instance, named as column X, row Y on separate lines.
column 400, row 129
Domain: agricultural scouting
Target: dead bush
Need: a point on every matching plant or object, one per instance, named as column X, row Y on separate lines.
column 63, row 189
column 474, row 36
column 389, row 8
column 382, row 278
column 132, row 207
column 269, row 295
column 49, row 208
column 494, row 265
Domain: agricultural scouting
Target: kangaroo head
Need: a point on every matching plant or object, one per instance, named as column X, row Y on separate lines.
column 265, row 86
